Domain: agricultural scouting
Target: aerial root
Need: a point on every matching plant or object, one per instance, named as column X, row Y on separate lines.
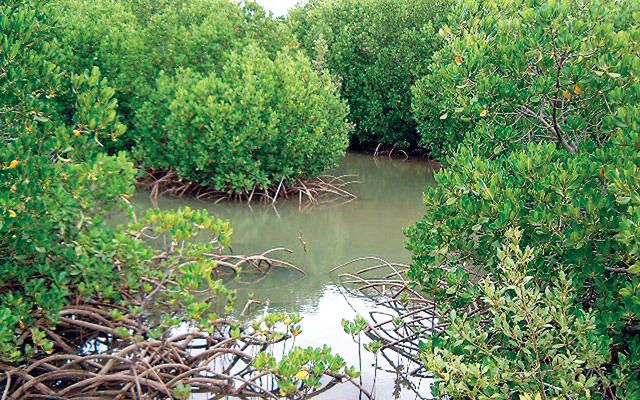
column 138, row 366
column 404, row 313
column 324, row 188
column 109, row 351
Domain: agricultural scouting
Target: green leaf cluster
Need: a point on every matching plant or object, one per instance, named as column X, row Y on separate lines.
column 579, row 212
column 530, row 339
column 59, row 188
column 212, row 89
column 301, row 369
column 537, row 102
column 520, row 71
column 377, row 49
column 256, row 122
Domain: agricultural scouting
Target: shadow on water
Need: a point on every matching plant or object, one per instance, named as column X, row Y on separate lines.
column 389, row 199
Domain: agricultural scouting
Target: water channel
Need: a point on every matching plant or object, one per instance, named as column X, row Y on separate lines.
column 389, row 199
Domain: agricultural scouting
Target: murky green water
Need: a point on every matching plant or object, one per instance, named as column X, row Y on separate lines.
column 389, row 199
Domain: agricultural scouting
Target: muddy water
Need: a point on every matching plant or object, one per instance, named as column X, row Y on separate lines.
column 389, row 199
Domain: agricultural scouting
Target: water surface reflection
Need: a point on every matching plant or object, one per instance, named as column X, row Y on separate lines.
column 389, row 199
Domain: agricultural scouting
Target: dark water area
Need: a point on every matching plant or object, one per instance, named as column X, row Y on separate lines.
column 389, row 199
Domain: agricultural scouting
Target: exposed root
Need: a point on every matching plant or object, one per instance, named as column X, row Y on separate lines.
column 143, row 366
column 404, row 315
column 253, row 268
column 107, row 351
column 324, row 188
column 390, row 153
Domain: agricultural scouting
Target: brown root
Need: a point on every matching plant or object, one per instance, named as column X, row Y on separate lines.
column 404, row 313
column 108, row 351
column 324, row 188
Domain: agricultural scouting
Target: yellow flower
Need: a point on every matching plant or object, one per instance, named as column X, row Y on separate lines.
column 77, row 132
column 14, row 164
column 303, row 375
column 578, row 90
column 12, row 214
column 566, row 95
column 484, row 113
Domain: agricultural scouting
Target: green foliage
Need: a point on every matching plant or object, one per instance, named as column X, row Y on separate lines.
column 544, row 97
column 185, row 237
column 133, row 41
column 256, row 122
column 215, row 80
column 378, row 49
column 27, row 51
column 182, row 392
column 520, row 71
column 530, row 339
column 200, row 34
column 55, row 244
column 301, row 370
column 355, row 327
column 58, row 187
column 104, row 34
column 580, row 213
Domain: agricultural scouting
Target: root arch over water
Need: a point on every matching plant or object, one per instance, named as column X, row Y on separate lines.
column 308, row 192
column 103, row 354
column 403, row 314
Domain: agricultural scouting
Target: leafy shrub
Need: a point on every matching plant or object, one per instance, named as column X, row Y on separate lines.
column 133, row 41
column 55, row 245
column 107, row 35
column 58, row 187
column 253, row 124
column 579, row 212
column 179, row 73
column 200, row 34
column 57, row 249
column 378, row 49
column 306, row 366
column 520, row 71
column 549, row 93
column 531, row 338
column 27, row 50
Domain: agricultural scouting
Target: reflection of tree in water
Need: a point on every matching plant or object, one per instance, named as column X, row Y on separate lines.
column 389, row 198
column 389, row 195
column 400, row 318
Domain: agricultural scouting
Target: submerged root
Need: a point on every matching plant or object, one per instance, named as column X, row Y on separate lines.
column 324, row 188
